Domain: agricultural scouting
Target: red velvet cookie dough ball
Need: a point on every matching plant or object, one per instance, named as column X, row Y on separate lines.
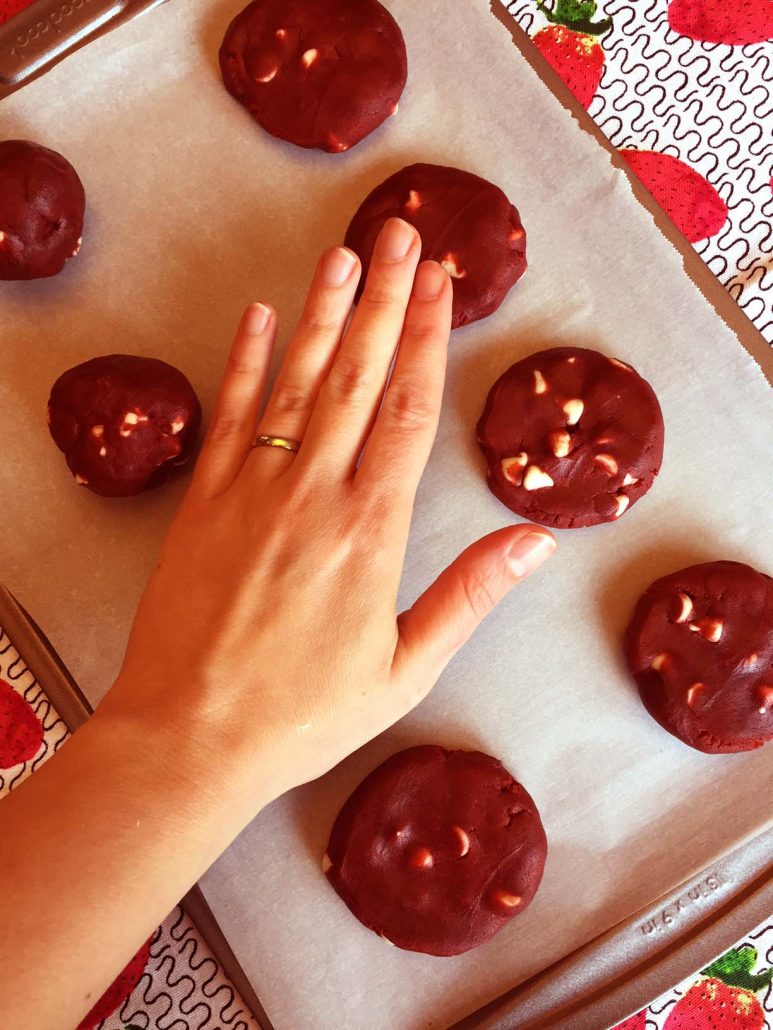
column 465, row 223
column 123, row 422
column 571, row 437
column 41, row 211
column 436, row 850
column 700, row 647
column 318, row 73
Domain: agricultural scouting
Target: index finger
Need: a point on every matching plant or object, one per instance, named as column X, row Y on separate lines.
column 402, row 437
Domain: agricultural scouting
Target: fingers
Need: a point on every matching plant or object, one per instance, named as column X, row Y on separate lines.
column 446, row 614
column 352, row 391
column 232, row 430
column 399, row 444
column 309, row 355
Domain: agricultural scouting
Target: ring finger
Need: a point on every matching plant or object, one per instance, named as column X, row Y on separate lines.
column 309, row 356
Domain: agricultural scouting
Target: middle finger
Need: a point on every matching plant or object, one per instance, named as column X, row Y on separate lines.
column 349, row 398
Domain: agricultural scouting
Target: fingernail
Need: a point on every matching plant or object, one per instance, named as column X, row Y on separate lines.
column 430, row 280
column 256, row 318
column 530, row 551
column 395, row 239
column 337, row 265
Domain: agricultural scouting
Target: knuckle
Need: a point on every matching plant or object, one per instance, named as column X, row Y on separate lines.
column 317, row 323
column 288, row 399
column 223, row 429
column 409, row 406
column 349, row 378
column 377, row 295
column 477, row 593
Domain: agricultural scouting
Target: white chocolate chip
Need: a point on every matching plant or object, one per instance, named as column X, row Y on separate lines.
column 281, row 34
column 383, row 938
column 622, row 501
column 508, row 900
column 630, row 480
column 269, row 74
column 103, row 452
column 540, row 386
column 450, row 265
column 516, row 234
column 130, row 420
column 536, row 479
column 98, row 431
column 422, row 859
column 308, row 57
column 413, row 203
column 511, row 467
column 560, row 442
column 395, row 109
column 177, row 426
column 81, row 480
column 2, row 237
column 464, row 840
column 693, row 692
column 571, row 360
column 766, row 694
column 326, row 863
column 751, row 661
column 573, row 410
column 77, row 247
column 607, row 462
column 711, row 629
column 657, row 662
column 685, row 610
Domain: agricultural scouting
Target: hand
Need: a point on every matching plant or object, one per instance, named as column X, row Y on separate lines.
column 269, row 630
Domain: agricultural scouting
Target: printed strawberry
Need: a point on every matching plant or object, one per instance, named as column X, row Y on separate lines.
column 21, row 732
column 8, row 8
column 119, row 990
column 637, row 1022
column 726, row 999
column 735, row 22
column 691, row 202
column 570, row 45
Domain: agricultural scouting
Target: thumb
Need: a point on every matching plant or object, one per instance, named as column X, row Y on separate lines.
column 449, row 611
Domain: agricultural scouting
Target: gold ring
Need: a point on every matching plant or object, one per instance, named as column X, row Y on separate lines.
column 277, row 441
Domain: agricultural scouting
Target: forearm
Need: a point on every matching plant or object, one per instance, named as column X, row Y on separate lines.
column 114, row 829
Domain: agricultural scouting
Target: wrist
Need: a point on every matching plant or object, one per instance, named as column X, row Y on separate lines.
column 208, row 766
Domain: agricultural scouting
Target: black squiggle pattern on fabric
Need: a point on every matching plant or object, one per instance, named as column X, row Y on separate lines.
column 709, row 104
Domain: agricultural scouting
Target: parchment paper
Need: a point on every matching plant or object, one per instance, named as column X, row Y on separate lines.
column 193, row 212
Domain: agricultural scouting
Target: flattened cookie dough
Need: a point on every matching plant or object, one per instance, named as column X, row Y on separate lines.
column 123, row 422
column 700, row 647
column 41, row 210
column 318, row 73
column 571, row 437
column 465, row 222
column 436, row 850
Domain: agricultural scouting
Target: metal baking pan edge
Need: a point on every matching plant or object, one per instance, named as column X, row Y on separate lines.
column 44, row 33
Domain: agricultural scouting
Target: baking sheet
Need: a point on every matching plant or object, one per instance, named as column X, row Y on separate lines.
column 192, row 213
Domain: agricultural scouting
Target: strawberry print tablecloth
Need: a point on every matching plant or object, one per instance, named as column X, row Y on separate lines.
column 684, row 90
column 175, row 983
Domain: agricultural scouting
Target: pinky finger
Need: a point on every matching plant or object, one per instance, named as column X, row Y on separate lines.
column 232, row 430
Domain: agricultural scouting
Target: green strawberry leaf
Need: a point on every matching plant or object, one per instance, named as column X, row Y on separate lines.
column 735, row 969
column 576, row 15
